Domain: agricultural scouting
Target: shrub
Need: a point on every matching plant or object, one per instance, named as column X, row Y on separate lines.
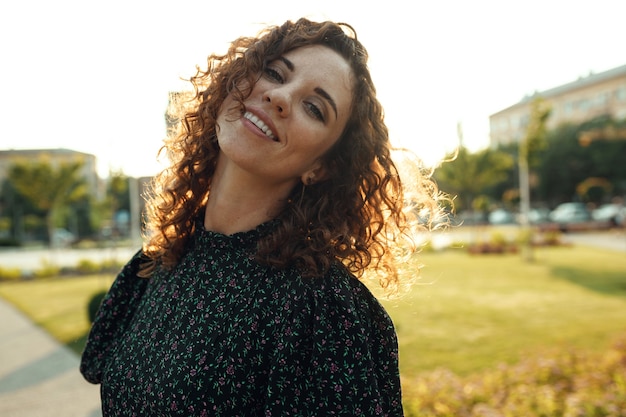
column 552, row 238
column 48, row 269
column 9, row 242
column 498, row 243
column 87, row 266
column 10, row 274
column 111, row 265
column 94, row 304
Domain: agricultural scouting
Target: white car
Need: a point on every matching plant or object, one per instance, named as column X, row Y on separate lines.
column 570, row 213
column 615, row 214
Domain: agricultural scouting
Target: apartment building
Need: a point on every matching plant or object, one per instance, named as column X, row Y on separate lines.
column 578, row 101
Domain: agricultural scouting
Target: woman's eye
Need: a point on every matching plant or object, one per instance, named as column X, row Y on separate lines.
column 272, row 74
column 315, row 111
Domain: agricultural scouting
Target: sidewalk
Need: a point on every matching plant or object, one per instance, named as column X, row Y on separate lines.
column 38, row 376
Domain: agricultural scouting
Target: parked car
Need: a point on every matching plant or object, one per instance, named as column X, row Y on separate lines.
column 570, row 213
column 501, row 216
column 612, row 214
column 62, row 238
column 469, row 218
column 538, row 215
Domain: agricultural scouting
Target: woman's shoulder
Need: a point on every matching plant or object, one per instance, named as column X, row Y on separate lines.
column 337, row 294
column 338, row 281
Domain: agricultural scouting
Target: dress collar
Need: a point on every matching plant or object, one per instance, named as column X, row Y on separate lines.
column 243, row 240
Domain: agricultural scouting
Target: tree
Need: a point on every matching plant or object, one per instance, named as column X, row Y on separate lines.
column 534, row 142
column 117, row 200
column 18, row 211
column 571, row 158
column 48, row 188
column 467, row 175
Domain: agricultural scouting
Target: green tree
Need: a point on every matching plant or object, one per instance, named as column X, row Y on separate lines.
column 48, row 188
column 534, row 142
column 117, row 200
column 573, row 156
column 467, row 175
column 19, row 211
column 117, row 191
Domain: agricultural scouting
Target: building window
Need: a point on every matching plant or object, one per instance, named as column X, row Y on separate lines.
column 583, row 104
column 568, row 108
column 603, row 99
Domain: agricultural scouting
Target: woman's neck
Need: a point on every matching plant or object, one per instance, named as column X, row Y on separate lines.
column 239, row 202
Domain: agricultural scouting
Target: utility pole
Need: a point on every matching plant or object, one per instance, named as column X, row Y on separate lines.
column 524, row 187
column 533, row 140
column 135, row 214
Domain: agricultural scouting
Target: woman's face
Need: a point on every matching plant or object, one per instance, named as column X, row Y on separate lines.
column 294, row 114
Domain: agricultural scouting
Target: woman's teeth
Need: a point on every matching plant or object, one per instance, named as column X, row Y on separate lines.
column 259, row 123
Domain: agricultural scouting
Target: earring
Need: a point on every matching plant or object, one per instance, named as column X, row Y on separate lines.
column 310, row 179
column 302, row 195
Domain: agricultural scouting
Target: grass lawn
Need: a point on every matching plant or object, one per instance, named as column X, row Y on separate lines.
column 468, row 313
column 59, row 305
column 474, row 312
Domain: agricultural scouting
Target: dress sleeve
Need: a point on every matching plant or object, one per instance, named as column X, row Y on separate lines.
column 114, row 314
column 336, row 354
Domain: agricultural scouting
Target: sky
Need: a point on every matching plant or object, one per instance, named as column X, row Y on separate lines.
column 94, row 76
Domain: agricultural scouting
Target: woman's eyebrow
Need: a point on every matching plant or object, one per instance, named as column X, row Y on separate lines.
column 327, row 96
column 287, row 62
column 318, row 90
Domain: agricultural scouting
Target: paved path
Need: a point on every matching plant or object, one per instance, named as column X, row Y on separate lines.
column 613, row 239
column 29, row 260
column 38, row 376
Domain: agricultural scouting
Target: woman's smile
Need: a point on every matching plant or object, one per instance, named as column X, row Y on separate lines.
column 260, row 125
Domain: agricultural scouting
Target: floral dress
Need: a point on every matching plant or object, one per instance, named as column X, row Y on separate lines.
column 222, row 335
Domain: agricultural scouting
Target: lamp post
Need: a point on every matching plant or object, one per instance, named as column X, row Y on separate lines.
column 524, row 186
column 532, row 141
column 135, row 211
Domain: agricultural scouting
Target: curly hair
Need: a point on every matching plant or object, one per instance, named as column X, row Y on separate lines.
column 356, row 215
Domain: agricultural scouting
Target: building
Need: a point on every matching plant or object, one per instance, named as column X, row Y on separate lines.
column 55, row 157
column 588, row 97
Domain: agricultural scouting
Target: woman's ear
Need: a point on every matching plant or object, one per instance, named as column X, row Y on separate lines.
column 314, row 175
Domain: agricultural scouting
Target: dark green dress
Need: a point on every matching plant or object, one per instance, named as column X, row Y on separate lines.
column 221, row 335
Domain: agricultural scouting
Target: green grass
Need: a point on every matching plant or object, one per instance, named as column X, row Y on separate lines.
column 471, row 313
column 59, row 305
column 467, row 314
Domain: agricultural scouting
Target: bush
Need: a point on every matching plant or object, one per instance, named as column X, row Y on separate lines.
column 111, row 265
column 94, row 305
column 9, row 242
column 569, row 384
column 551, row 238
column 47, row 270
column 498, row 243
column 87, row 266
column 10, row 274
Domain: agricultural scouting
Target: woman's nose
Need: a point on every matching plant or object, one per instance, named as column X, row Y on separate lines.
column 279, row 98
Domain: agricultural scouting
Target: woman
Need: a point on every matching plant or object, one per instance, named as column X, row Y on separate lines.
column 281, row 193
